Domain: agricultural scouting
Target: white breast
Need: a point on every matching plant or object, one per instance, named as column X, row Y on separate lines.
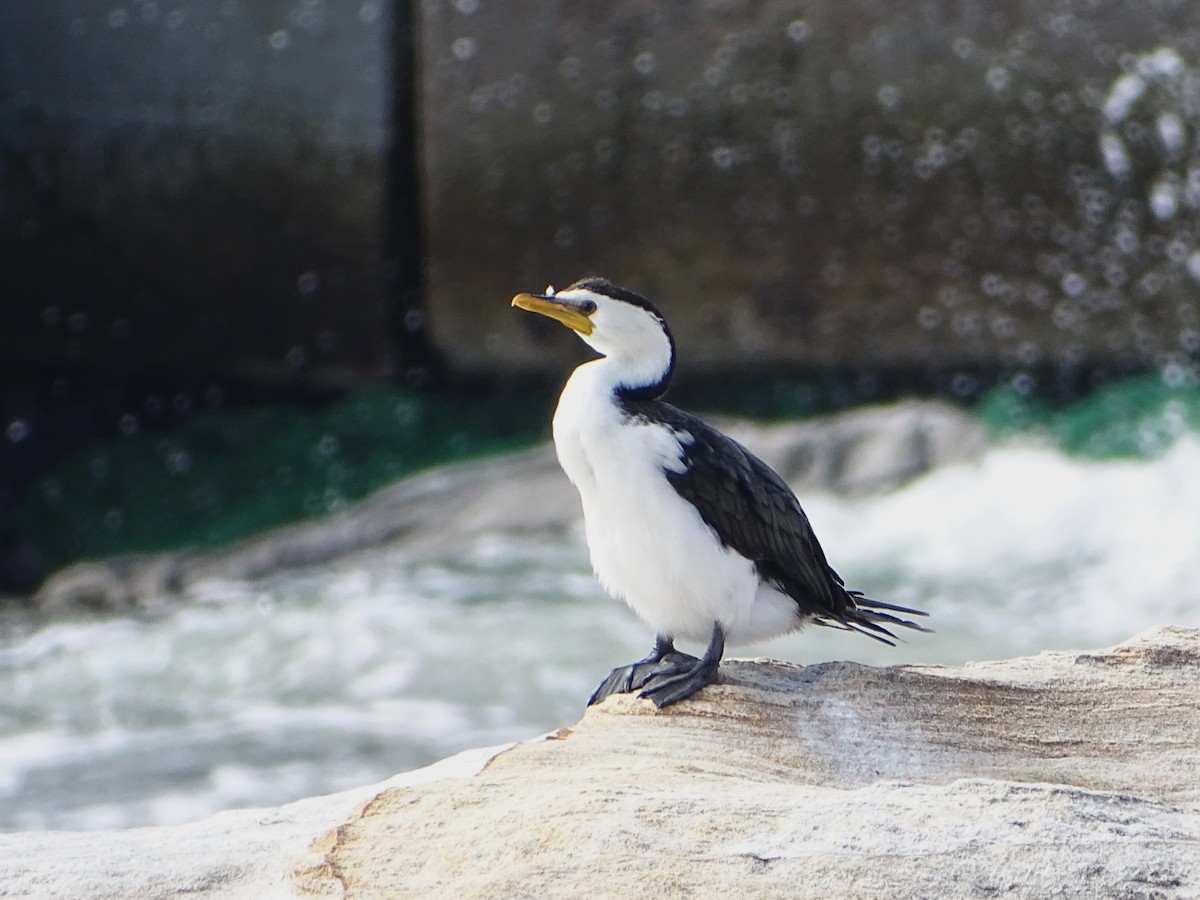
column 648, row 545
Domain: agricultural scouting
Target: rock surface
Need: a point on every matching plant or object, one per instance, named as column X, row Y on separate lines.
column 867, row 449
column 1070, row 774
column 1065, row 774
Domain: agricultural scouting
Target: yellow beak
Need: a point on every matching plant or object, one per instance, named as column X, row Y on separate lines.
column 561, row 310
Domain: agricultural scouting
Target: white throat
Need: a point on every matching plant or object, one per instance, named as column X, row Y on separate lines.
column 637, row 352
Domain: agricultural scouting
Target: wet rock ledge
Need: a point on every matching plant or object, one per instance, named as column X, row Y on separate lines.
column 1067, row 774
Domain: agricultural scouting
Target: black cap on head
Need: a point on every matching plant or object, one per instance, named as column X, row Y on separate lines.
column 598, row 285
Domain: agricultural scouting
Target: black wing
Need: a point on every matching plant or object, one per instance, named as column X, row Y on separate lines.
column 753, row 511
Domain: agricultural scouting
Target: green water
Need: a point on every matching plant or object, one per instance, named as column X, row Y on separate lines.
column 1137, row 418
column 226, row 474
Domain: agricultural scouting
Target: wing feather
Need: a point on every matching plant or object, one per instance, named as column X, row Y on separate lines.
column 752, row 510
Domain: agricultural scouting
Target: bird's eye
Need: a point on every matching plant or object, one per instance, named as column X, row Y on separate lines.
column 587, row 307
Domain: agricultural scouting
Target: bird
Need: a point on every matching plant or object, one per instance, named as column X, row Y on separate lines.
column 700, row 537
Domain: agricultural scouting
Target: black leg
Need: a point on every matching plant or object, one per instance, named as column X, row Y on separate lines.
column 624, row 679
column 670, row 684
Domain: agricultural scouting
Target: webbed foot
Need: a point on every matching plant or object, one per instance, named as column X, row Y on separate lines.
column 626, row 679
column 666, row 676
column 670, row 685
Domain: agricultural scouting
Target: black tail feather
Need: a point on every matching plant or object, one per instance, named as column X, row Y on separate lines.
column 864, row 616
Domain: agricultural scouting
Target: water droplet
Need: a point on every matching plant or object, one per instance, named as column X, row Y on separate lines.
column 1193, row 265
column 888, row 96
column 963, row 384
column 327, row 446
column 17, row 431
column 279, row 40
column 179, row 462
column 118, row 18
column 1162, row 62
column 327, row 341
column 966, row 324
column 571, row 67
column 128, row 424
column 644, row 62
column 799, row 31
column 1065, row 316
column 1171, row 132
column 464, row 48
column 1126, row 240
column 176, row 18
column 564, row 237
column 1003, row 327
column 1176, row 375
column 723, row 158
column 370, row 11
column 52, row 491
column 1023, row 383
column 1125, row 92
column 467, row 7
column 1064, row 103
column 98, row 467
column 834, row 273
column 1114, row 154
column 1073, row 284
column 332, row 500
column 998, row 79
column 1164, row 200
column 654, row 101
column 414, row 320
column 308, row 283
column 296, row 357
column 543, row 113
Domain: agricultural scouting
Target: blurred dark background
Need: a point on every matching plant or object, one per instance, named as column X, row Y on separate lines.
column 258, row 253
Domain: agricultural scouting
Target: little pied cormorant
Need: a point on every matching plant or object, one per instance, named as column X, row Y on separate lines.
column 699, row 536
